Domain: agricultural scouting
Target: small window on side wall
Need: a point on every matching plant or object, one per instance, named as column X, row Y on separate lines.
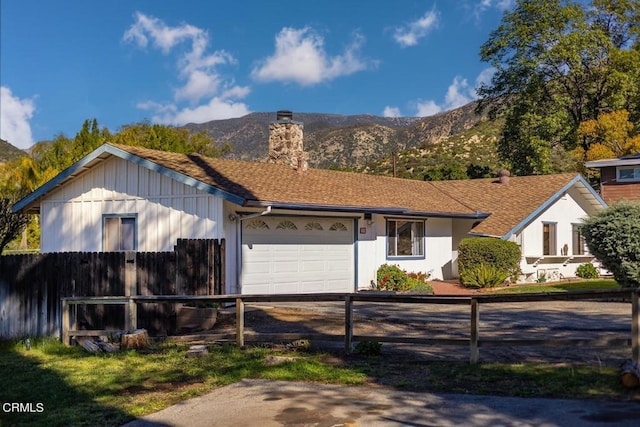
column 405, row 238
column 119, row 233
column 631, row 173
column 579, row 245
column 549, row 238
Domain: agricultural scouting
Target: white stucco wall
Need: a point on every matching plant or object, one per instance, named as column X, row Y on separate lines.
column 372, row 251
column 166, row 209
column 565, row 212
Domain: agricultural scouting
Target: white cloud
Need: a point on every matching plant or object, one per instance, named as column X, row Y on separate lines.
column 485, row 76
column 427, row 108
column 300, row 57
column 391, row 111
column 411, row 33
column 204, row 88
column 215, row 109
column 458, row 93
column 483, row 5
column 15, row 114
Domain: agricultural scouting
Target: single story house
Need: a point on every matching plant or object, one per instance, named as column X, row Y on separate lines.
column 293, row 229
column 619, row 177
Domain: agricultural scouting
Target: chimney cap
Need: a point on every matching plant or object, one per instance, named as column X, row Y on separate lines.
column 284, row 115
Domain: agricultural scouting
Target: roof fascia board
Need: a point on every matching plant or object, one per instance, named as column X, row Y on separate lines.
column 612, row 162
column 61, row 177
column 578, row 179
column 359, row 209
column 125, row 155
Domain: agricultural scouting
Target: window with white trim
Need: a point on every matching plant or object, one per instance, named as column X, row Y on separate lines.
column 405, row 238
column 579, row 245
column 628, row 173
column 549, row 238
column 119, row 233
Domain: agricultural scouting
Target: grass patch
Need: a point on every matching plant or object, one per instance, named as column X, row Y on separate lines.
column 78, row 388
column 583, row 285
column 522, row 380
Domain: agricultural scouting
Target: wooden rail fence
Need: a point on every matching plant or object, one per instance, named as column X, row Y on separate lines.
column 474, row 341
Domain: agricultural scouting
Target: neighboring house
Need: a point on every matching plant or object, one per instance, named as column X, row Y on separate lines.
column 619, row 177
column 292, row 229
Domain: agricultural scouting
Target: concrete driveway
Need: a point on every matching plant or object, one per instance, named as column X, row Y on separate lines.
column 274, row 403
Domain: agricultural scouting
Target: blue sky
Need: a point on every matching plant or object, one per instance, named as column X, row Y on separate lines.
column 176, row 62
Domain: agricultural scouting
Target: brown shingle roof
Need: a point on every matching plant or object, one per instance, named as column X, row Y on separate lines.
column 504, row 205
column 265, row 183
column 508, row 203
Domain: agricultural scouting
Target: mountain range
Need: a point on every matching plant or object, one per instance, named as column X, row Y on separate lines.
column 356, row 142
column 342, row 141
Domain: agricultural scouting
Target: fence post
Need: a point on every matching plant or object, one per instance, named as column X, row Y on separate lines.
column 475, row 329
column 635, row 326
column 348, row 324
column 65, row 321
column 240, row 322
column 130, row 289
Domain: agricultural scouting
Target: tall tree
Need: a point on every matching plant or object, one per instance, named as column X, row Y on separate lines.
column 610, row 135
column 11, row 224
column 169, row 138
column 559, row 63
column 88, row 139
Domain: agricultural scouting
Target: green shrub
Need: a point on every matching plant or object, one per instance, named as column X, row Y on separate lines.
column 418, row 285
column 613, row 237
column 391, row 278
column 503, row 255
column 587, row 271
column 483, row 276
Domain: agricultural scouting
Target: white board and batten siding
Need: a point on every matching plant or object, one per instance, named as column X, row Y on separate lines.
column 166, row 209
column 287, row 254
column 565, row 212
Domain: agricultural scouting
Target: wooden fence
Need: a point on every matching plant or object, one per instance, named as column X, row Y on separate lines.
column 474, row 342
column 32, row 286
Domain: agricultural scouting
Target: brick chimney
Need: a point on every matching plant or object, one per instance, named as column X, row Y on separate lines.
column 286, row 142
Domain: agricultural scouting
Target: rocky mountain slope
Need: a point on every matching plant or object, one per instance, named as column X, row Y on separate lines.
column 470, row 153
column 457, row 138
column 335, row 141
column 8, row 152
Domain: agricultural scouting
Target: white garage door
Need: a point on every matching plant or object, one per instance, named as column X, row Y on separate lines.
column 282, row 255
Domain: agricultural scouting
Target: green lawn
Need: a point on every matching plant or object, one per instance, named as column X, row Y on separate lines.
column 564, row 286
column 78, row 388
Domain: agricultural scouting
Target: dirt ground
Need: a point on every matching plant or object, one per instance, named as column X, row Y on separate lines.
column 324, row 324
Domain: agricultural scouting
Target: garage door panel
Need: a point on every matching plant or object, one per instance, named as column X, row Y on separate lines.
column 310, row 266
column 312, row 255
column 309, row 287
column 285, row 267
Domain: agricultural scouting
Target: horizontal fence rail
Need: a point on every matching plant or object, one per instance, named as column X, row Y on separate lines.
column 474, row 342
